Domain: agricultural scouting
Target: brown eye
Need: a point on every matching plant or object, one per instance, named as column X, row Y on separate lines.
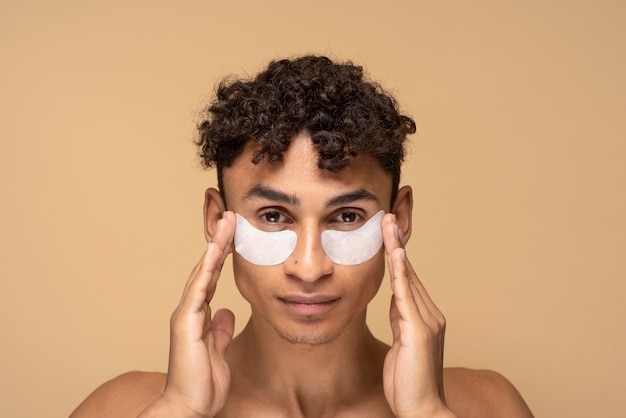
column 271, row 216
column 346, row 220
column 349, row 217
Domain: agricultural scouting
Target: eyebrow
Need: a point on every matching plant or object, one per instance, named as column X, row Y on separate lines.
column 350, row 197
column 265, row 192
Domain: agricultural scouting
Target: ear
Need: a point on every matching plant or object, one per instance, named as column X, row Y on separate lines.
column 403, row 209
column 213, row 209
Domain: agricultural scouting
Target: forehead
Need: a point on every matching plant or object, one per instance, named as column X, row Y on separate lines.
column 297, row 173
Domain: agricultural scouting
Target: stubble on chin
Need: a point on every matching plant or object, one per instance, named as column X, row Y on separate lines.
column 312, row 340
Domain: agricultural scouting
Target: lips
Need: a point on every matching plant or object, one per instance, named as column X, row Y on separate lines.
column 309, row 305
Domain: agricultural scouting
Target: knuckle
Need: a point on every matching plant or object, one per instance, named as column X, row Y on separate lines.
column 175, row 319
column 442, row 321
column 174, row 315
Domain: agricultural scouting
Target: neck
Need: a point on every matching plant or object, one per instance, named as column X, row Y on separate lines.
column 304, row 377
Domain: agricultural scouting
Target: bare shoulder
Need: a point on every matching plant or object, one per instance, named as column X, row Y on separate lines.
column 482, row 393
column 124, row 396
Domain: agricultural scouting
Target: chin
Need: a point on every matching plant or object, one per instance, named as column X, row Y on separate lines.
column 310, row 340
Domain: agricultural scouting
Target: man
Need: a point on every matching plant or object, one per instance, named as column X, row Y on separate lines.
column 308, row 157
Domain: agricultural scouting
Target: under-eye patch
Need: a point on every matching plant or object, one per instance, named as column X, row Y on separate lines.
column 354, row 247
column 261, row 247
column 342, row 247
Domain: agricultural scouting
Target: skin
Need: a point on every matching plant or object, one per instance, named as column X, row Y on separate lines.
column 306, row 350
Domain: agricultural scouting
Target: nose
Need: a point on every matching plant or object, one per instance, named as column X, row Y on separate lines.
column 309, row 261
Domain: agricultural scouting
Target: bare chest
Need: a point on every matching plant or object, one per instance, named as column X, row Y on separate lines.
column 372, row 406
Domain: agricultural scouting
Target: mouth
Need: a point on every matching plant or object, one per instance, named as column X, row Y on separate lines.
column 309, row 305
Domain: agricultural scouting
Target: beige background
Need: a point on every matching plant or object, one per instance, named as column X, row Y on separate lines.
column 519, row 171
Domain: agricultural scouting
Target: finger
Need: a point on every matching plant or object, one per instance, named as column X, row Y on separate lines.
column 222, row 240
column 202, row 284
column 222, row 329
column 392, row 237
column 420, row 289
column 195, row 293
column 400, row 274
column 394, row 319
column 393, row 240
column 225, row 230
column 405, row 298
column 192, row 276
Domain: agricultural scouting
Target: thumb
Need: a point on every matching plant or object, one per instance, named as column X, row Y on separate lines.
column 223, row 328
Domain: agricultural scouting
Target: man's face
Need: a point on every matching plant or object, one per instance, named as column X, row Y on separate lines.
column 307, row 299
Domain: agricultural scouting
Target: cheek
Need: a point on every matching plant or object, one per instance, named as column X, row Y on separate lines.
column 379, row 273
column 364, row 280
column 369, row 276
column 245, row 279
column 254, row 283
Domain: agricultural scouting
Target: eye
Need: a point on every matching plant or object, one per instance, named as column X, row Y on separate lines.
column 347, row 220
column 272, row 216
column 349, row 217
column 272, row 219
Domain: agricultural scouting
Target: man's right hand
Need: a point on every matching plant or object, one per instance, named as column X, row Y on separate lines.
column 198, row 377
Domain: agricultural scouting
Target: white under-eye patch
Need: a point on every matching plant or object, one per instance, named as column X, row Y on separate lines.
column 342, row 247
column 261, row 247
column 354, row 247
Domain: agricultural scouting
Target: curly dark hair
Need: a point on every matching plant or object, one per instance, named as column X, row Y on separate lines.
column 344, row 113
